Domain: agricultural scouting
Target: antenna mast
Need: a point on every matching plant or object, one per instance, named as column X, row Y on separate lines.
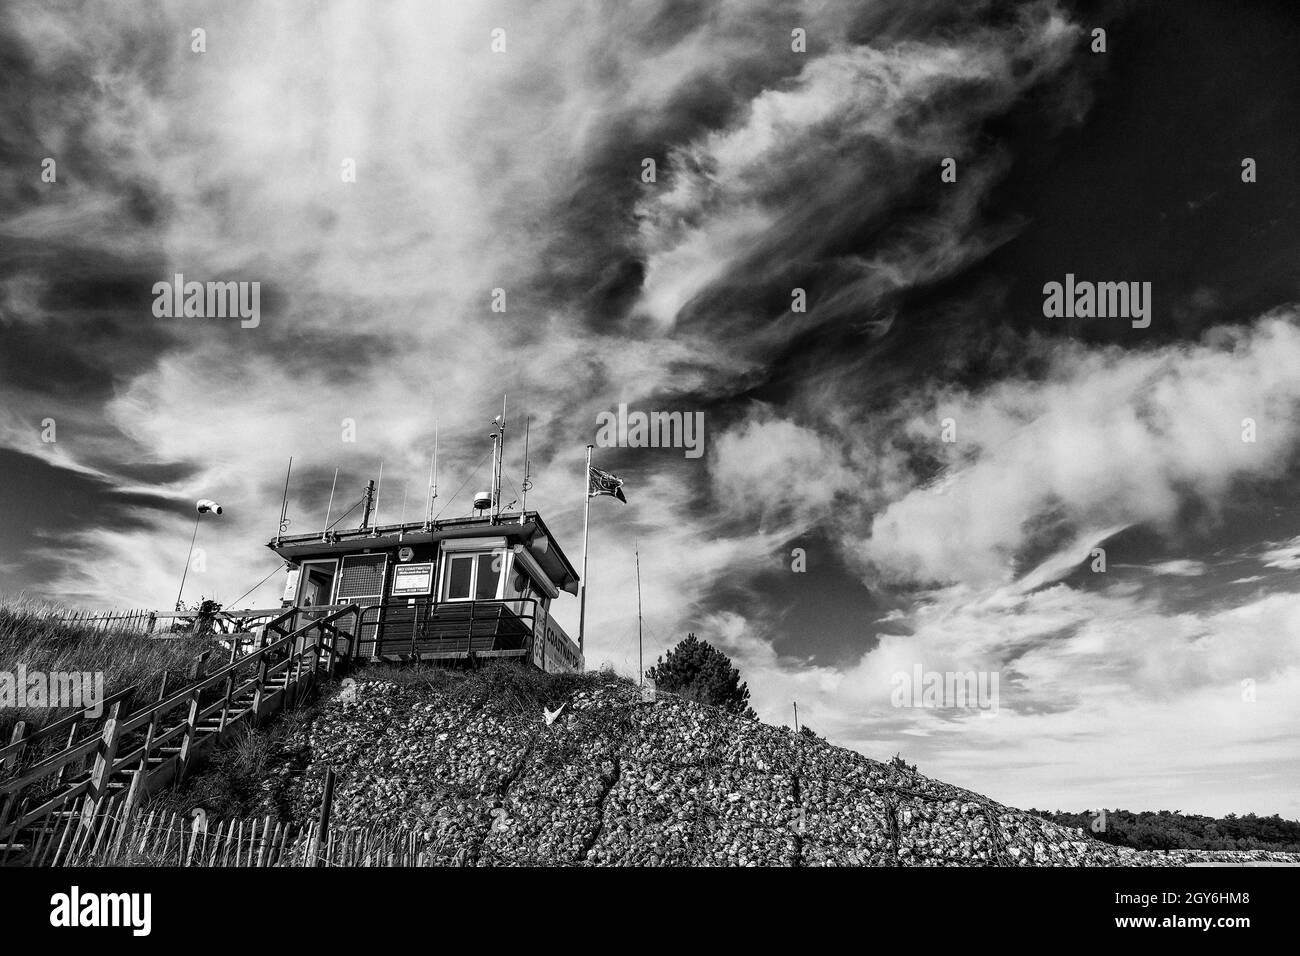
column 284, row 503
column 433, row 479
column 369, row 502
column 330, row 507
column 499, row 454
column 528, row 481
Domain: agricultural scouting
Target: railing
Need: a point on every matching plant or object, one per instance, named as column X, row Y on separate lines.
column 161, row 623
column 407, row 626
column 426, row 627
column 382, row 628
column 148, row 744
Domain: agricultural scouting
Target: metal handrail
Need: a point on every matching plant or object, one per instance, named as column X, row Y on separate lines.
column 527, row 611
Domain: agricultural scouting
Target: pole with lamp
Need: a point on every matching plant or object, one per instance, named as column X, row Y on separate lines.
column 202, row 507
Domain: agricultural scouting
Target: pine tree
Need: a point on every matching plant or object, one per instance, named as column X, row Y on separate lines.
column 698, row 671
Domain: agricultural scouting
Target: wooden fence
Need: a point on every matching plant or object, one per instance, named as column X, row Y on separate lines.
column 163, row 623
column 123, row 835
column 137, row 754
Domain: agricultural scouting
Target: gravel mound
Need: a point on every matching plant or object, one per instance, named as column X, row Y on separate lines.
column 617, row 779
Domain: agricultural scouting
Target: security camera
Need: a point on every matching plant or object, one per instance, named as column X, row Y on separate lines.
column 207, row 504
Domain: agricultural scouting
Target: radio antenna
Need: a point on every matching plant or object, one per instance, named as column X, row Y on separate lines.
column 330, row 507
column 378, row 488
column 499, row 454
column 433, row 479
column 284, row 503
column 528, row 482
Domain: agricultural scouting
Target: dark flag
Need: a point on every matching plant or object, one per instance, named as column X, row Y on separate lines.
column 603, row 483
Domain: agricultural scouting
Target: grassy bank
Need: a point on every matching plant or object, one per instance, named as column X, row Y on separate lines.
column 32, row 637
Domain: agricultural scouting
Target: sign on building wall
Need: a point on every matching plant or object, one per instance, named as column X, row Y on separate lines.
column 411, row 579
column 291, row 584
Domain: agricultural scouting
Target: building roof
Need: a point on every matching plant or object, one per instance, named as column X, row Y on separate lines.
column 526, row 528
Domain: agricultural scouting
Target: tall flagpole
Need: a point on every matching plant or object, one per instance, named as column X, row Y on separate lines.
column 586, row 518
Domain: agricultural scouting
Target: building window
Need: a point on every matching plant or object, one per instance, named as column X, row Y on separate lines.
column 473, row 576
column 488, row 576
column 460, row 577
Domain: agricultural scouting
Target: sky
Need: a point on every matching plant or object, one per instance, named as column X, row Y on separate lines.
column 830, row 539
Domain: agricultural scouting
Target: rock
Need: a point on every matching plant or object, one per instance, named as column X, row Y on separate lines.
column 616, row 783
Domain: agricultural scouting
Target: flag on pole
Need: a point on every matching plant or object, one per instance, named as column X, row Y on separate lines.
column 603, row 483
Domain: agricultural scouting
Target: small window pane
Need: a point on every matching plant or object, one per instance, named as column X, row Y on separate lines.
column 489, row 573
column 459, row 570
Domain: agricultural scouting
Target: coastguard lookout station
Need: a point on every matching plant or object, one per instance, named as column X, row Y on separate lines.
column 465, row 589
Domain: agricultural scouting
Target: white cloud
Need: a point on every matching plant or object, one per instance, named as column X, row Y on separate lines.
column 1104, row 699
column 1106, row 438
column 770, row 468
column 727, row 195
column 1182, row 568
column 1284, row 556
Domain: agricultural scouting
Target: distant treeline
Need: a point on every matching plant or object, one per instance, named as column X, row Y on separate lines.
column 1174, row 830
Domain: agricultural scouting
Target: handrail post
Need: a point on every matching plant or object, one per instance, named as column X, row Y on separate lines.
column 225, row 704
column 297, row 677
column 151, row 732
column 14, row 760
column 6, row 808
column 335, row 632
column 72, row 739
column 103, row 769
column 261, row 687
column 17, row 740
column 317, row 655
column 187, row 740
column 197, row 666
column 354, row 639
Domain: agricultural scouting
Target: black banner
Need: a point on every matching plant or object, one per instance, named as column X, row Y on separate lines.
column 341, row 906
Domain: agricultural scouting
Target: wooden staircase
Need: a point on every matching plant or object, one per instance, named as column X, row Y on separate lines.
column 134, row 755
